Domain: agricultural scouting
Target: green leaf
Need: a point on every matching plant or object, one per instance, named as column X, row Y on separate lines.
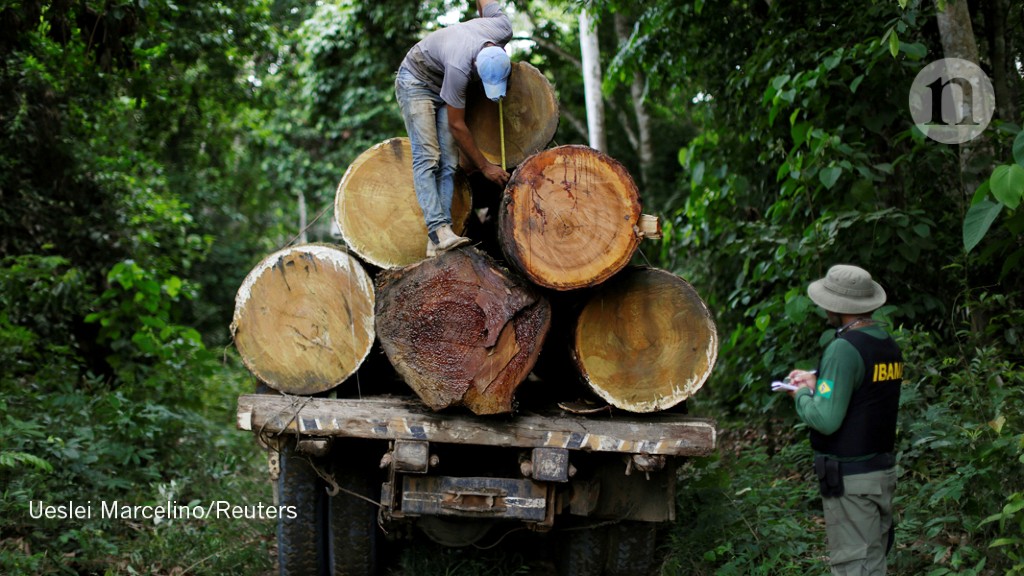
column 799, row 132
column 977, row 222
column 914, row 51
column 903, row 4
column 12, row 459
column 697, row 175
column 798, row 307
column 894, row 43
column 173, row 286
column 1007, row 184
column 980, row 193
column 1015, row 505
column 829, row 176
column 1018, row 148
column 762, row 322
column 856, row 83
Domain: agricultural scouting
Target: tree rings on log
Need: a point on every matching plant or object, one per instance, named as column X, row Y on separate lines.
column 376, row 209
column 460, row 330
column 303, row 319
column 569, row 218
column 645, row 341
column 530, row 111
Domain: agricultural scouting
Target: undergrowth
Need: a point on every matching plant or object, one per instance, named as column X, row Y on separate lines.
column 751, row 509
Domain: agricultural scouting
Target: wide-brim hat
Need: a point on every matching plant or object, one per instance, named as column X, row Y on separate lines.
column 847, row 290
column 493, row 66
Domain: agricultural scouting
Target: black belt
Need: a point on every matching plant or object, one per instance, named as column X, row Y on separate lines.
column 882, row 461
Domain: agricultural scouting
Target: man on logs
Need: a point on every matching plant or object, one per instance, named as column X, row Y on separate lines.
column 851, row 406
column 431, row 91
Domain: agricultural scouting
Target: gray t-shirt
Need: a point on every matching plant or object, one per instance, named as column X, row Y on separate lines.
column 444, row 59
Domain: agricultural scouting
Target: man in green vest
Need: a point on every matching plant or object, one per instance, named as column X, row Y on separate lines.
column 851, row 405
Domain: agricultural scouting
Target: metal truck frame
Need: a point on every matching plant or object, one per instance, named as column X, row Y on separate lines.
column 353, row 470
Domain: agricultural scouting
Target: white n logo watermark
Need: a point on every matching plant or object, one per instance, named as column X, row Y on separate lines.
column 952, row 101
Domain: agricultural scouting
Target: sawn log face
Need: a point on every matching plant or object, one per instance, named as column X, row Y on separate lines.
column 645, row 341
column 569, row 218
column 530, row 112
column 460, row 330
column 376, row 210
column 303, row 319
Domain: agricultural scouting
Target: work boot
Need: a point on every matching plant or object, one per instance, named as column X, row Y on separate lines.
column 431, row 248
column 449, row 240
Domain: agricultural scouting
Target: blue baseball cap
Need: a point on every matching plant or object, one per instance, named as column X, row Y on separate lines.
column 493, row 66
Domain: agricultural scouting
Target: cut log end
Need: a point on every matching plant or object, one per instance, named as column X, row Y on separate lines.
column 645, row 341
column 530, row 111
column 376, row 210
column 569, row 218
column 303, row 320
column 461, row 331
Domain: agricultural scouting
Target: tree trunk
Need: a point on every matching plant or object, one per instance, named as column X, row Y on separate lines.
column 569, row 218
column 644, row 146
column 530, row 111
column 958, row 41
column 303, row 319
column 376, row 209
column 591, row 57
column 995, row 12
column 956, row 32
column 460, row 330
column 645, row 341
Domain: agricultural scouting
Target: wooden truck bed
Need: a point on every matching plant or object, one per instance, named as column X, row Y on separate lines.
column 394, row 418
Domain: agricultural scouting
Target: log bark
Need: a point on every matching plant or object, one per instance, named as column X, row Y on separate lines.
column 569, row 218
column 303, row 320
column 530, row 111
column 460, row 330
column 645, row 341
column 376, row 209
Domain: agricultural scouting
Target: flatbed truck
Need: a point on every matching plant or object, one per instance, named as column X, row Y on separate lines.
column 357, row 473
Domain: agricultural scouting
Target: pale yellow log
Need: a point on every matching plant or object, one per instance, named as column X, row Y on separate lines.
column 376, row 209
column 645, row 341
column 303, row 320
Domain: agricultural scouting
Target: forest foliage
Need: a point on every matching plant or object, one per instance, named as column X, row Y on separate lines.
column 152, row 151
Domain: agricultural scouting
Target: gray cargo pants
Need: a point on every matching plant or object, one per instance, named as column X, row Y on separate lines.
column 858, row 522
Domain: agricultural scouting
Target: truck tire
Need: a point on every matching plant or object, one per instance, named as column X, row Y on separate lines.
column 353, row 539
column 631, row 548
column 580, row 550
column 300, row 543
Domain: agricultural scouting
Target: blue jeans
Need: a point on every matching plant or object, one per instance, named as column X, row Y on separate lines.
column 434, row 153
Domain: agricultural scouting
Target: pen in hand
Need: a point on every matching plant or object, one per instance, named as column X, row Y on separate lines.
column 786, row 384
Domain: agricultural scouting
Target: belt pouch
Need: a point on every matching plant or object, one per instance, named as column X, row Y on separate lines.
column 830, row 477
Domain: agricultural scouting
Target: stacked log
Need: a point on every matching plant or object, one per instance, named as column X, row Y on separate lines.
column 376, row 210
column 529, row 111
column 466, row 328
column 303, row 319
column 645, row 341
column 570, row 218
column 461, row 330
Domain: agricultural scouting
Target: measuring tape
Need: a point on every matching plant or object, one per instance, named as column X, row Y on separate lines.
column 501, row 130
